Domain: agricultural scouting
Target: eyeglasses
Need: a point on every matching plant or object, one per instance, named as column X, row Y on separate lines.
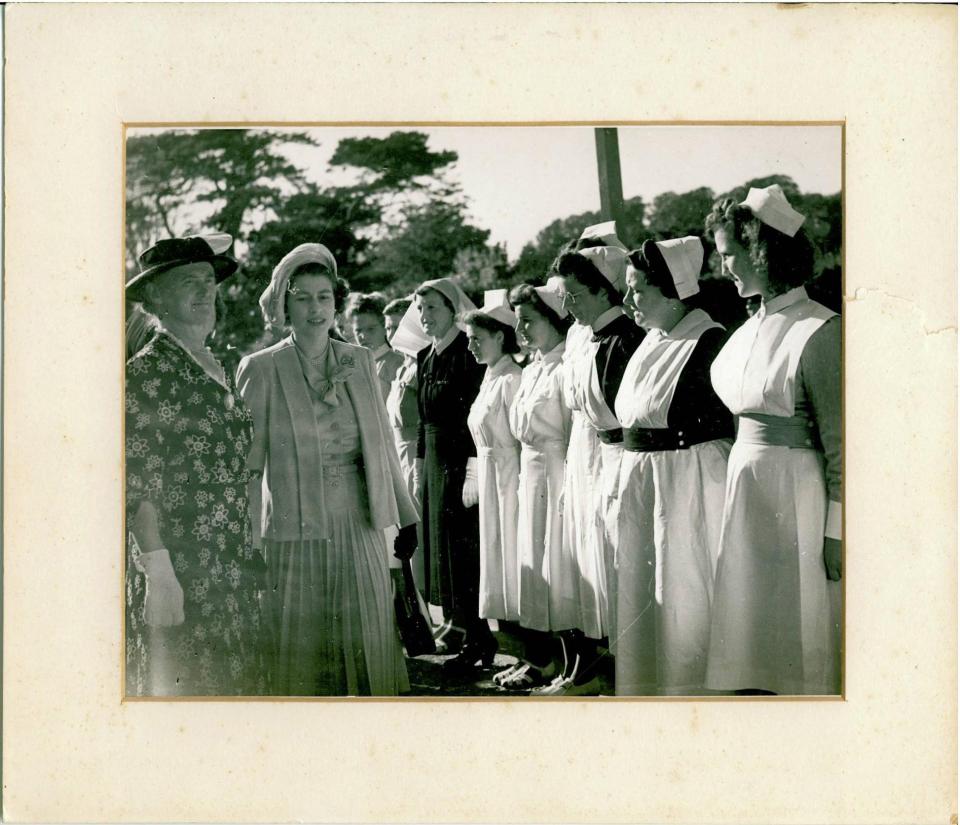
column 570, row 297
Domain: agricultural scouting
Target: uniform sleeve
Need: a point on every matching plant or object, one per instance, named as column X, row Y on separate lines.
column 145, row 448
column 472, row 377
column 820, row 374
column 510, row 384
column 253, row 390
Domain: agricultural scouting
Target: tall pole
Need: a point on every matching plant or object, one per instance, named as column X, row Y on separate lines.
column 608, row 171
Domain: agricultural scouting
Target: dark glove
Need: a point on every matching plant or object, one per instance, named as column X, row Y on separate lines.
column 405, row 544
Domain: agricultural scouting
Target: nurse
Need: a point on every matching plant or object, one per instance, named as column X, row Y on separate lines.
column 593, row 273
column 676, row 437
column 448, row 379
column 540, row 421
column 492, row 340
column 776, row 617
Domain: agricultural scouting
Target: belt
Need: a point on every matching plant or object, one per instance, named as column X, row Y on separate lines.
column 334, row 470
column 777, row 431
column 641, row 440
column 611, row 436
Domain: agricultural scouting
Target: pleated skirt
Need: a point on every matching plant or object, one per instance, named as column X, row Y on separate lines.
column 329, row 612
column 669, row 518
column 776, row 616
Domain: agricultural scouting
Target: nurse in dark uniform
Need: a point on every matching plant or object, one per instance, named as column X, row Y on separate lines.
column 448, row 379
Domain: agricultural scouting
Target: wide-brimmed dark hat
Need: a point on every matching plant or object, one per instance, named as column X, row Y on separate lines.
column 171, row 252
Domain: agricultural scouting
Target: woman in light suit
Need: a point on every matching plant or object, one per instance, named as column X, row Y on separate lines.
column 331, row 484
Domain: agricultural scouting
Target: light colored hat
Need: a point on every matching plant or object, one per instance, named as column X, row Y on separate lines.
column 409, row 337
column 611, row 258
column 551, row 294
column 684, row 258
column 451, row 290
column 272, row 299
column 496, row 306
column 771, row 206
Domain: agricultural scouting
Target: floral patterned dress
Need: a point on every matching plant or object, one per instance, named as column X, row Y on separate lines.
column 187, row 439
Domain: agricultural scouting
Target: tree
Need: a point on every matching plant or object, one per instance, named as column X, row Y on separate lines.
column 186, row 181
column 400, row 161
column 424, row 246
column 676, row 216
column 536, row 257
column 478, row 269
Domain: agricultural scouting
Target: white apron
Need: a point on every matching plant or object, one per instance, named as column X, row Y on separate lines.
column 498, row 480
column 541, row 422
column 593, row 469
column 776, row 615
column 582, row 535
column 670, row 507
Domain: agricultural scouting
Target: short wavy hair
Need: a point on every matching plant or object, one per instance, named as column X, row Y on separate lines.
column 369, row 303
column 787, row 261
column 527, row 294
column 584, row 272
column 649, row 260
column 341, row 289
column 481, row 321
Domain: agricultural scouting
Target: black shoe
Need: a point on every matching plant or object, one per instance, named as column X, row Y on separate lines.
column 473, row 653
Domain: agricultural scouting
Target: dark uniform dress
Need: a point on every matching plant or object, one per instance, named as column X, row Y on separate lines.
column 187, row 439
column 448, row 384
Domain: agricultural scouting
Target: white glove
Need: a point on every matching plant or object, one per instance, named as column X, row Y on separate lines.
column 163, row 601
column 471, row 493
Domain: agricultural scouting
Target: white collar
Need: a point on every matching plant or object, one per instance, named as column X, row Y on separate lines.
column 779, row 302
column 447, row 340
column 503, row 366
column 607, row 317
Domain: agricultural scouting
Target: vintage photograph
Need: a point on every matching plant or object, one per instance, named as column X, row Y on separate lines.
column 482, row 410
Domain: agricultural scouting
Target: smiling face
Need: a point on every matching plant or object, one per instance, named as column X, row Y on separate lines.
column 185, row 298
column 485, row 346
column 368, row 330
column 535, row 330
column 736, row 260
column 311, row 306
column 651, row 309
column 436, row 317
column 580, row 302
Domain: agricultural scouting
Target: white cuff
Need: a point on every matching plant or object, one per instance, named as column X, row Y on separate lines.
column 834, row 528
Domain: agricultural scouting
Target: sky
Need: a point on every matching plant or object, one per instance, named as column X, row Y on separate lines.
column 518, row 179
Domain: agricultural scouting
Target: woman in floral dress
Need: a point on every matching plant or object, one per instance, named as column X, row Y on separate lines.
column 193, row 615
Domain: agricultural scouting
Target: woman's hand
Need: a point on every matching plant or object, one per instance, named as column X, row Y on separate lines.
column 471, row 493
column 405, row 544
column 163, row 601
column 832, row 554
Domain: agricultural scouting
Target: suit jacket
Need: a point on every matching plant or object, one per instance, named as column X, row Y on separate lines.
column 286, row 445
